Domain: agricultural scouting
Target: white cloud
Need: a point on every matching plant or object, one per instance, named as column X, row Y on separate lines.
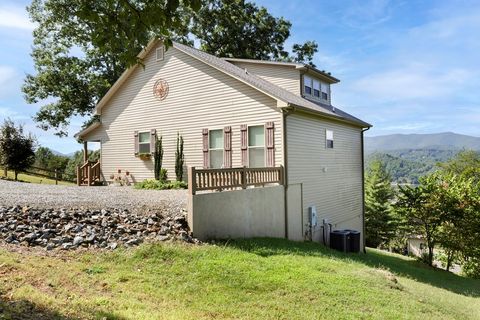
column 13, row 17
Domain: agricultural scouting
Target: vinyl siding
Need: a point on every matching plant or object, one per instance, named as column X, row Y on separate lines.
column 199, row 97
column 331, row 178
column 286, row 77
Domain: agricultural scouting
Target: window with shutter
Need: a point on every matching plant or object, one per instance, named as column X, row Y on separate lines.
column 215, row 146
column 256, row 146
column 144, row 142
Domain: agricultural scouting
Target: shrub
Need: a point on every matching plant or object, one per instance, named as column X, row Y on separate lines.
column 179, row 158
column 163, row 175
column 152, row 184
column 158, row 159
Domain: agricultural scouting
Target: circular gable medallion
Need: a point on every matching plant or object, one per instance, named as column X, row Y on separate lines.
column 160, row 89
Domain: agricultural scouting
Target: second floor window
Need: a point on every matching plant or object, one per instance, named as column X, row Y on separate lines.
column 324, row 88
column 256, row 146
column 329, row 139
column 307, row 82
column 215, row 148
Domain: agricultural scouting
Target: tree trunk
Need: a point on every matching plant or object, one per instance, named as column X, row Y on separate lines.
column 5, row 171
column 16, row 175
column 430, row 256
column 449, row 260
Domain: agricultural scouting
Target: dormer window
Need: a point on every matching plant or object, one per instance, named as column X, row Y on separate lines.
column 307, row 81
column 315, row 88
column 324, row 88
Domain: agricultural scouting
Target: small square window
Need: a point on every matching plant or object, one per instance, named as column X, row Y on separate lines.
column 329, row 139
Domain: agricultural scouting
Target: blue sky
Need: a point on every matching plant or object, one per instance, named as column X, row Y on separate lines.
column 405, row 66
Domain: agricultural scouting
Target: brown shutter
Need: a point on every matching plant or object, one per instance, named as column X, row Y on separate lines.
column 227, row 147
column 244, row 144
column 270, row 143
column 153, row 138
column 205, row 148
column 136, row 137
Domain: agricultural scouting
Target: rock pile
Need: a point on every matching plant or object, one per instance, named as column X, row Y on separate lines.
column 70, row 229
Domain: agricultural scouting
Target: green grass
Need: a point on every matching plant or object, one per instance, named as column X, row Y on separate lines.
column 250, row 279
column 22, row 177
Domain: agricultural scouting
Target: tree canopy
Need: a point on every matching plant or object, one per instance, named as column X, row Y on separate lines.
column 17, row 149
column 81, row 48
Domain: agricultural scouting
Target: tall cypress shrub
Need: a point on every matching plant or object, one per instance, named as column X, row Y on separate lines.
column 179, row 158
column 158, row 157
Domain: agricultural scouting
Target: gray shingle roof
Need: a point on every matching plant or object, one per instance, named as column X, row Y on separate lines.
column 268, row 87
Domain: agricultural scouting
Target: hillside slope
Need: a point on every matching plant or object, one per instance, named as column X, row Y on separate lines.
column 437, row 141
column 251, row 279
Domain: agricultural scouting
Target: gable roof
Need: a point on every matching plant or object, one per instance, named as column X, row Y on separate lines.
column 269, row 88
column 256, row 82
column 300, row 66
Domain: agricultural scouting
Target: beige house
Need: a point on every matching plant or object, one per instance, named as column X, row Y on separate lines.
column 237, row 113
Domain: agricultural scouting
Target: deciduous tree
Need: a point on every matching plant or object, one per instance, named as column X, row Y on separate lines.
column 17, row 148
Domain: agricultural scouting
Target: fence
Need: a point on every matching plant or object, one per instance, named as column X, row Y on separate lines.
column 54, row 174
column 232, row 178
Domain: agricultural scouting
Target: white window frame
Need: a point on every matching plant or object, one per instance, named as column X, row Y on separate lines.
column 256, row 147
column 140, row 143
column 307, row 82
column 210, row 149
column 326, row 92
column 160, row 53
column 329, row 134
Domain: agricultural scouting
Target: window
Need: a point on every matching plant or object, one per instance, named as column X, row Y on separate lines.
column 324, row 88
column 144, row 142
column 329, row 139
column 316, row 88
column 256, row 146
column 215, row 148
column 307, row 82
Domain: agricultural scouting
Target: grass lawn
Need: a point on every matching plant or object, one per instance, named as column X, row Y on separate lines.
column 250, row 279
column 22, row 177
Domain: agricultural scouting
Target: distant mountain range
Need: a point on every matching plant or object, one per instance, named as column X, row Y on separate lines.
column 434, row 141
column 409, row 156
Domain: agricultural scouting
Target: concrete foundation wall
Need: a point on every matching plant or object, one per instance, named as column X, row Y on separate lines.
column 256, row 212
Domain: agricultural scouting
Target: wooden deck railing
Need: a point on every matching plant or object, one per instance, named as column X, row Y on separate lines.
column 232, row 178
column 88, row 174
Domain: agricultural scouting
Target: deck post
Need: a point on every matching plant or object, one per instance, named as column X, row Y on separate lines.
column 192, row 185
column 89, row 175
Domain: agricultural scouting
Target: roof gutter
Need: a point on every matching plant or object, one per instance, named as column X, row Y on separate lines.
column 336, row 117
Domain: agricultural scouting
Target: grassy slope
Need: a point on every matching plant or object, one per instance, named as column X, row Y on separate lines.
column 22, row 177
column 254, row 279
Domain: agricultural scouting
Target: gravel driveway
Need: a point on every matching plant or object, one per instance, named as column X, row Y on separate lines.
column 68, row 197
